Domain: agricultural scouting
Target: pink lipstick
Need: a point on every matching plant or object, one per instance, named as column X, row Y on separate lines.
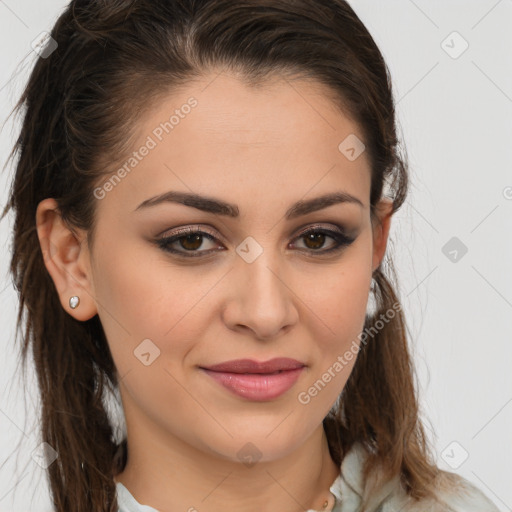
column 258, row 381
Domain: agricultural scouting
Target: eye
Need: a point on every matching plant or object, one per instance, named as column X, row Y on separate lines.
column 315, row 237
column 190, row 240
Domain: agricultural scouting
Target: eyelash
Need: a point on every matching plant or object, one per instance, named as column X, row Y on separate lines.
column 164, row 243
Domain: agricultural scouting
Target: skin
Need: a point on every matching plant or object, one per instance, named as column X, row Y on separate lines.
column 262, row 149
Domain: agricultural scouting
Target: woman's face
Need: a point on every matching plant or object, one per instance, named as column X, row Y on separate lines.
column 259, row 288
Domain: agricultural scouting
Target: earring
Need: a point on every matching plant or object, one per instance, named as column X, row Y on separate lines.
column 74, row 302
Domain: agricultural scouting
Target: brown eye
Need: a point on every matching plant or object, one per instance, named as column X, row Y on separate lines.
column 190, row 240
column 314, row 240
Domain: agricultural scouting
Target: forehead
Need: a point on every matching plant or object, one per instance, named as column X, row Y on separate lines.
column 272, row 112
column 219, row 134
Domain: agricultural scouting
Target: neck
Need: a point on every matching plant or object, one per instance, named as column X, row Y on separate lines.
column 169, row 474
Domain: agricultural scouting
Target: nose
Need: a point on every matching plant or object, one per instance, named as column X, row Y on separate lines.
column 262, row 298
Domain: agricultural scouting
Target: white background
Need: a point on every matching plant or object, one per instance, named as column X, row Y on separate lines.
column 456, row 119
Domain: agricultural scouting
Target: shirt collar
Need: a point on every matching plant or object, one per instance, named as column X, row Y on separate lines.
column 349, row 486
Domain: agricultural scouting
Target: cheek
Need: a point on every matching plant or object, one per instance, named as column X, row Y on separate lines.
column 156, row 302
column 339, row 300
column 338, row 310
column 139, row 296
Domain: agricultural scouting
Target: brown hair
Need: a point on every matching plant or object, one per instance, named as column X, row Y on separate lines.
column 113, row 61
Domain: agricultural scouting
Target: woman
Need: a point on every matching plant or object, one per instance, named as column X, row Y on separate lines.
column 203, row 199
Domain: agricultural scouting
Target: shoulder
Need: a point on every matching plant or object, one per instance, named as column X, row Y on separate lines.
column 457, row 494
column 453, row 493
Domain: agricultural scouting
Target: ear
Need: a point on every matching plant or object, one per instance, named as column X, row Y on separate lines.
column 66, row 257
column 381, row 231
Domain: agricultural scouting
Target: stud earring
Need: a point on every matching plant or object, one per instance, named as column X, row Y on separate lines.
column 74, row 302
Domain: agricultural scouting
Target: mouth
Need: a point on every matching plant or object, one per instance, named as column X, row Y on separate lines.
column 256, row 380
column 250, row 366
column 258, row 387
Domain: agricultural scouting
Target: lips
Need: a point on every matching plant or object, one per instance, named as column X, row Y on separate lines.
column 250, row 366
column 256, row 381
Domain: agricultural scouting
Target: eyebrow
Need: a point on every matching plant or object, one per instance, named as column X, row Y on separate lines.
column 216, row 206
